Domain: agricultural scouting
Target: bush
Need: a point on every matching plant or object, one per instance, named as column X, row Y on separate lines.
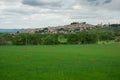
column 72, row 39
column 88, row 38
column 117, row 39
column 50, row 40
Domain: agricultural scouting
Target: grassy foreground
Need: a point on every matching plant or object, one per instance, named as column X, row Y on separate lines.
column 60, row 62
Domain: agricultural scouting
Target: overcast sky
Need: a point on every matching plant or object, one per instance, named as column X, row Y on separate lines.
column 43, row 13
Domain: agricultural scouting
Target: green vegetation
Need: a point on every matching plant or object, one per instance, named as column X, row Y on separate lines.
column 44, row 58
column 91, row 36
column 60, row 62
column 85, row 37
column 82, row 38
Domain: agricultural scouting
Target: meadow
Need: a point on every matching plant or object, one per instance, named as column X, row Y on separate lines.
column 60, row 62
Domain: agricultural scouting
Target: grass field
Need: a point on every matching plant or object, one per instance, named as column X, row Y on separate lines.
column 60, row 62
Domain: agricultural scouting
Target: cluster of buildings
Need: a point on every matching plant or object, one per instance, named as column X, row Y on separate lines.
column 71, row 28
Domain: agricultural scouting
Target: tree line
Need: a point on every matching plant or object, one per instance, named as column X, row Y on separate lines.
column 84, row 37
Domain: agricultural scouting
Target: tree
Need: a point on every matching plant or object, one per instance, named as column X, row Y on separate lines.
column 20, row 39
column 104, row 36
column 50, row 39
column 73, row 39
column 117, row 39
column 5, row 39
column 88, row 38
column 2, row 41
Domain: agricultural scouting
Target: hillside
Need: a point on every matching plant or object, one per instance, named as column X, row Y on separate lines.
column 74, row 27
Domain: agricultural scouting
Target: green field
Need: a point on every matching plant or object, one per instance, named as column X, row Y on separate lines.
column 60, row 62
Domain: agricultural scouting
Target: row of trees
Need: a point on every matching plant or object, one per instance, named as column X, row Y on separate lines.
column 85, row 37
column 82, row 38
column 28, row 39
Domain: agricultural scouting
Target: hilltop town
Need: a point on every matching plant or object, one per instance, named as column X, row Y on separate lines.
column 74, row 27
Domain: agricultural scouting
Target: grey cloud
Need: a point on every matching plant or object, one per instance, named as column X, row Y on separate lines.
column 91, row 0
column 107, row 1
column 41, row 3
column 92, row 5
column 98, row 2
column 94, row 2
column 31, row 2
column 12, row 10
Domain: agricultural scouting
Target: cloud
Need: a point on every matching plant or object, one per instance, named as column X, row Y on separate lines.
column 107, row 1
column 95, row 2
column 43, row 3
column 43, row 13
column 99, row 1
